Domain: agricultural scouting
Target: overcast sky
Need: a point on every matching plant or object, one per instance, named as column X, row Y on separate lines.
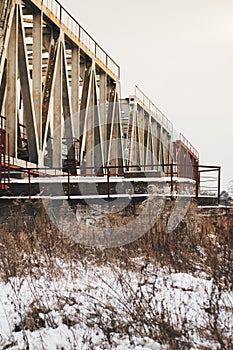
column 180, row 53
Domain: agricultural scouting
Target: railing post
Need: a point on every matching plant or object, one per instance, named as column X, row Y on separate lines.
column 171, row 170
column 8, row 147
column 4, row 176
column 219, row 184
column 197, row 183
column 108, row 181
column 29, row 182
column 68, row 184
column 1, row 156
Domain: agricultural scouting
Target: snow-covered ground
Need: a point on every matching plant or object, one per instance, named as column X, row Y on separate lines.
column 106, row 307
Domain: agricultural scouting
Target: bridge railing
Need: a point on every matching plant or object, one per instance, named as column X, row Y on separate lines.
column 163, row 177
column 153, row 109
column 189, row 145
column 70, row 22
column 209, row 181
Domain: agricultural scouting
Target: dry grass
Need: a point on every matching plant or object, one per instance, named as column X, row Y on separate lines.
column 203, row 242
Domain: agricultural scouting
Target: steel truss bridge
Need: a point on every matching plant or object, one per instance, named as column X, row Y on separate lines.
column 61, row 107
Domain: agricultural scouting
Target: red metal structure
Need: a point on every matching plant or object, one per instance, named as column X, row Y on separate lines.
column 4, row 156
column 187, row 159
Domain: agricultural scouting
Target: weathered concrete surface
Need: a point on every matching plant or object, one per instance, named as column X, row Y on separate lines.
column 171, row 217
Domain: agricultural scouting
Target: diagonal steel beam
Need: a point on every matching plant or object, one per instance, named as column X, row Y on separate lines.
column 11, row 81
column 49, row 81
column 2, row 88
column 26, row 91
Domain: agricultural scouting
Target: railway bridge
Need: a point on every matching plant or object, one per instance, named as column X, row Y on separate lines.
column 62, row 113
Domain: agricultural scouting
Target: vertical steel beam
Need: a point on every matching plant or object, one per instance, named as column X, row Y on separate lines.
column 158, row 146
column 90, row 125
column 163, row 149
column 12, row 95
column 116, row 135
column 98, row 141
column 146, row 137
column 2, row 89
column 75, row 94
column 138, row 145
column 27, row 93
column 7, row 19
column 57, row 113
column 66, row 102
column 148, row 142
column 131, row 117
column 140, row 117
column 133, row 150
column 166, row 146
column 154, row 124
column 149, row 145
column 111, row 106
column 119, row 149
column 103, row 111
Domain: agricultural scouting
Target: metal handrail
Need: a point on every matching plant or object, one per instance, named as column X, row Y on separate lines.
column 71, row 23
column 189, row 145
column 170, row 172
column 153, row 109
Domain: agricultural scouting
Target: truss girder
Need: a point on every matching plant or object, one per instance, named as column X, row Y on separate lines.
column 58, row 90
column 149, row 142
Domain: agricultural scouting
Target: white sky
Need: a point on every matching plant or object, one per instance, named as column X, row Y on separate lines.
column 180, row 53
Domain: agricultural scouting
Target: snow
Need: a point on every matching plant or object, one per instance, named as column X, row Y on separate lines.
column 19, row 294
column 99, row 179
column 67, row 306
